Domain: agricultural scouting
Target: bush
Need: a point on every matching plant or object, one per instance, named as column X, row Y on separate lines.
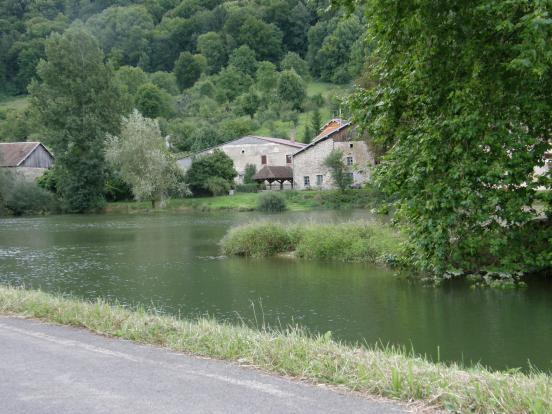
column 206, row 167
column 218, row 185
column 271, row 202
column 257, row 240
column 247, row 188
column 18, row 196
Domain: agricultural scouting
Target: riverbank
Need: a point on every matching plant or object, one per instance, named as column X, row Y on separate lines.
column 295, row 201
column 387, row 372
column 348, row 242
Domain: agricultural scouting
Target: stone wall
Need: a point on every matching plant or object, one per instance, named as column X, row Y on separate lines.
column 310, row 163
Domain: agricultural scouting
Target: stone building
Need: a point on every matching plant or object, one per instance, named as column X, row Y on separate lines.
column 28, row 159
column 309, row 171
column 259, row 151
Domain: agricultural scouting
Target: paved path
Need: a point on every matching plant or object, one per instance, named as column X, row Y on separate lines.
column 54, row 369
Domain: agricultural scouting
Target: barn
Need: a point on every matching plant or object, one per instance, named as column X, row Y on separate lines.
column 28, row 159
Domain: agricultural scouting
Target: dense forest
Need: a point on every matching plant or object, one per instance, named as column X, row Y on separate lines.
column 210, row 71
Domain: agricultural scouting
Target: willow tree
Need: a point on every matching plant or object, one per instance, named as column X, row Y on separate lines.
column 76, row 101
column 460, row 101
column 140, row 156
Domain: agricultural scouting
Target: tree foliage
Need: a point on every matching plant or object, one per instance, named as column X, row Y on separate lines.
column 291, row 88
column 208, row 171
column 460, row 99
column 139, row 155
column 338, row 170
column 77, row 103
column 187, row 70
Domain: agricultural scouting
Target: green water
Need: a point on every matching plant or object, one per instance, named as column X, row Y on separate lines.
column 173, row 261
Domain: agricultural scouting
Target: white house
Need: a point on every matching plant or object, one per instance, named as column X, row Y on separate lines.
column 256, row 150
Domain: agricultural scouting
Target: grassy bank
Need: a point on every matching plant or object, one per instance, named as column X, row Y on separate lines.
column 385, row 372
column 350, row 242
column 295, row 201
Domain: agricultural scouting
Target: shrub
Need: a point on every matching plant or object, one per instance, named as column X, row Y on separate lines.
column 218, row 185
column 247, row 188
column 271, row 202
column 205, row 167
column 19, row 196
column 257, row 240
column 350, row 242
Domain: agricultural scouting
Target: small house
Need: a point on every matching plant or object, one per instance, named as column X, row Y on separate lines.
column 28, row 159
column 309, row 171
column 255, row 150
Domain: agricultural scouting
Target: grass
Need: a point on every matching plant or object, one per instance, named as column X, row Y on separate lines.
column 350, row 242
column 14, row 103
column 295, row 201
column 381, row 371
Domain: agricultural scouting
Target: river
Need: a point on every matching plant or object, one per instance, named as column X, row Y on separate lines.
column 172, row 261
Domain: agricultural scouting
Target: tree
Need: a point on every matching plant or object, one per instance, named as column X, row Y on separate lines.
column 293, row 61
column 266, row 76
column 77, row 103
column 462, row 107
column 264, row 38
column 204, row 168
column 248, row 103
column 243, row 59
column 316, row 122
column 187, row 70
column 338, row 170
column 141, row 158
column 230, row 83
column 149, row 100
column 212, row 46
column 250, row 171
column 307, row 135
column 165, row 81
column 291, row 88
column 125, row 29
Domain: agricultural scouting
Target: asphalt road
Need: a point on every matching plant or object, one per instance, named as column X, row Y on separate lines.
column 54, row 369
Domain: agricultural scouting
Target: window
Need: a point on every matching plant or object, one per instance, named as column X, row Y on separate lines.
column 349, row 161
column 243, row 151
column 263, row 159
column 319, row 180
column 288, row 159
column 306, row 181
column 350, row 145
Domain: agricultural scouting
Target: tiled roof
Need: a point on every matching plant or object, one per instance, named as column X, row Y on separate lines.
column 12, row 154
column 274, row 172
column 327, row 131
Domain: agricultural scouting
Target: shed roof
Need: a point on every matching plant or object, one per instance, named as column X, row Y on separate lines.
column 13, row 154
column 275, row 172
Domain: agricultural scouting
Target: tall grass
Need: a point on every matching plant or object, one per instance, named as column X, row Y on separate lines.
column 351, row 242
column 388, row 372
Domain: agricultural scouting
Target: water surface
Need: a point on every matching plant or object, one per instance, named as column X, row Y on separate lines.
column 173, row 261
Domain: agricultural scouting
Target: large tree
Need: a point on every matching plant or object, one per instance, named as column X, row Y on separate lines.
column 461, row 101
column 141, row 158
column 187, row 70
column 206, row 169
column 77, row 103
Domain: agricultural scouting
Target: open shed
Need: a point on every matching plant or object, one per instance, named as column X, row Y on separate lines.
column 273, row 173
